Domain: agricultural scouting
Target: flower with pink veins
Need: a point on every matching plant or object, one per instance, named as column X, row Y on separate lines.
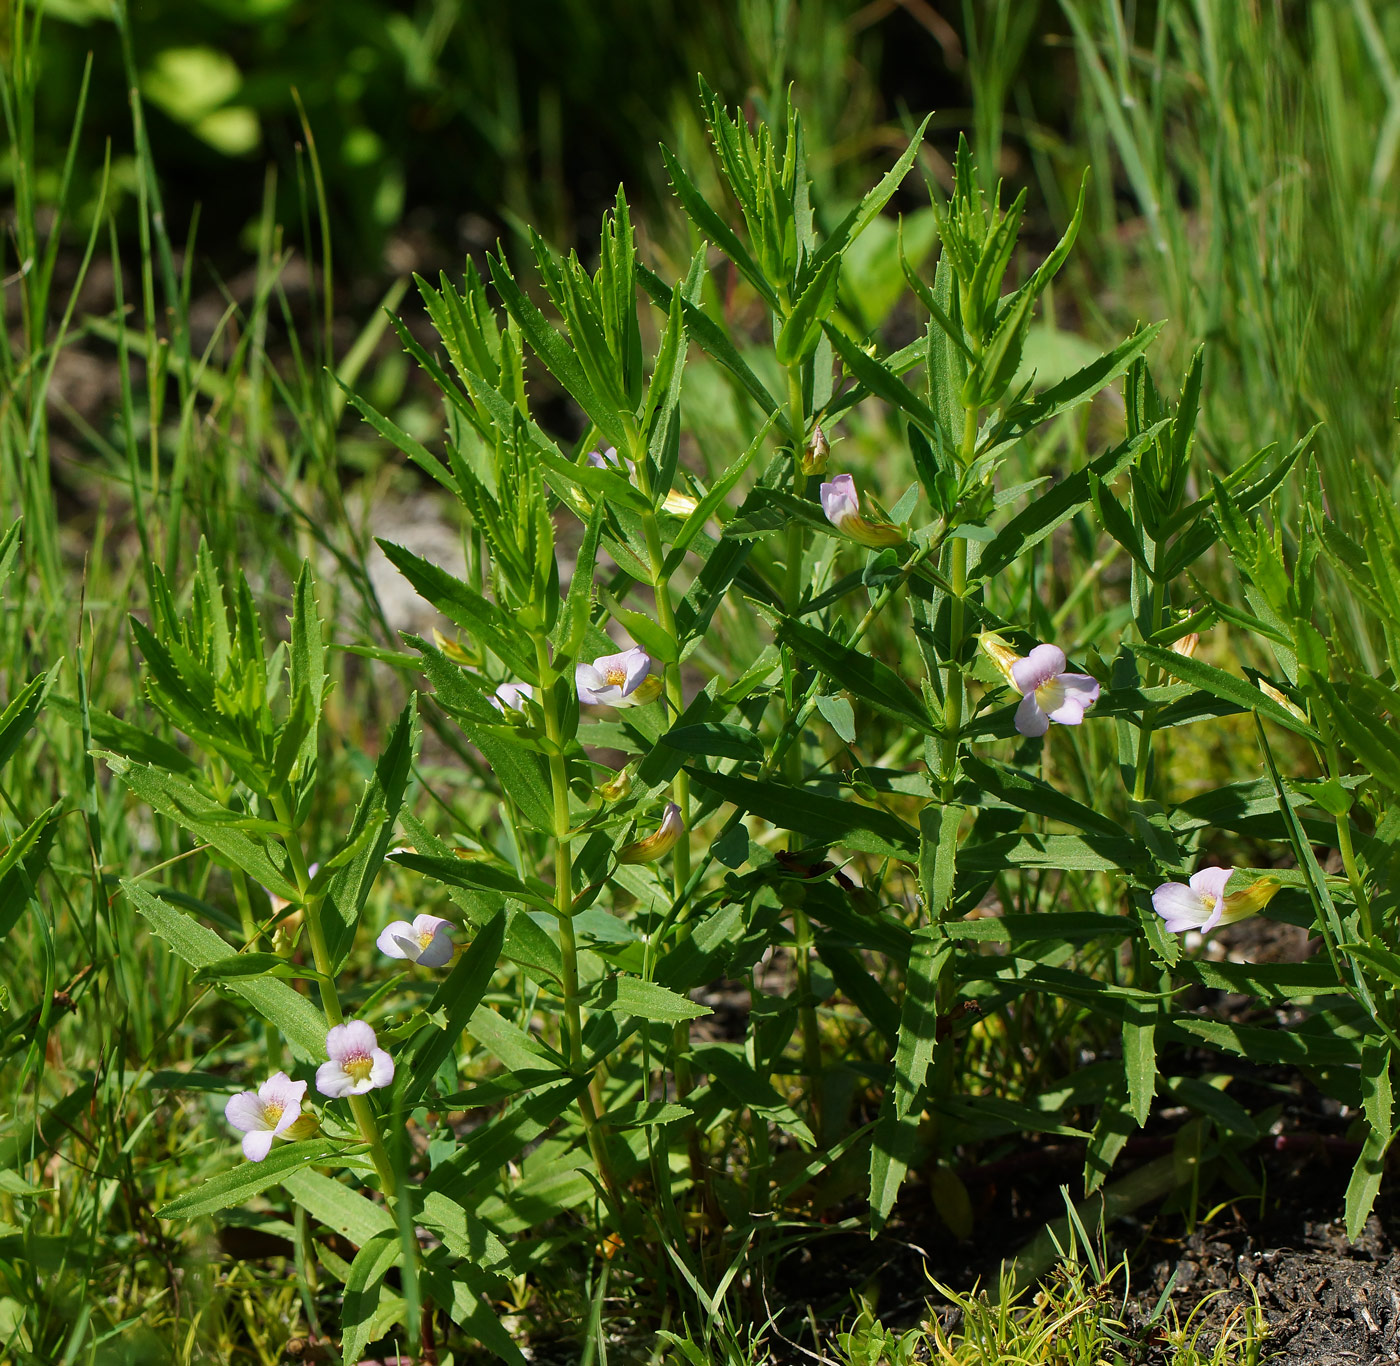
column 1048, row 693
column 356, row 1062
column 426, row 940
column 266, row 1113
column 1202, row 904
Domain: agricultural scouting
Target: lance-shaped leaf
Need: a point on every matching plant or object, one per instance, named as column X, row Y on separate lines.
column 457, row 997
column 1225, row 686
column 301, row 1024
column 803, row 327
column 557, row 354
column 823, row 820
column 896, row 1131
column 864, row 213
column 880, row 380
column 1074, row 389
column 1050, row 510
column 716, row 229
column 858, row 672
column 715, row 342
column 206, row 819
column 240, row 1183
column 362, row 1293
column 485, row 622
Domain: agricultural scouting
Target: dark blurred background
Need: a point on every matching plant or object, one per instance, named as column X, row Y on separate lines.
column 439, row 124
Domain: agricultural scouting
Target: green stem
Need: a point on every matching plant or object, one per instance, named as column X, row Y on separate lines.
column 564, row 912
column 954, row 687
column 365, row 1118
column 1144, row 746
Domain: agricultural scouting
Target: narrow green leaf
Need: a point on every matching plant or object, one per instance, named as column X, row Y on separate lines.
column 300, row 1023
column 486, row 623
column 336, row 1206
column 715, row 342
column 371, row 834
column 800, row 332
column 1227, row 687
column 241, row 1182
column 458, row 997
column 715, row 738
column 1140, row 1059
column 875, row 199
column 716, row 229
column 624, row 995
column 823, row 820
column 858, row 672
column 180, row 800
column 896, row 1131
column 372, row 1262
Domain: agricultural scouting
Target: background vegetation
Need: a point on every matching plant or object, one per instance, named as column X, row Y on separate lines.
column 187, row 275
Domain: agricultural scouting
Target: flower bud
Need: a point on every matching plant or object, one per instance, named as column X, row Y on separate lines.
column 841, row 504
column 451, row 649
column 1287, row 704
column 1000, row 653
column 679, row 504
column 1186, row 647
column 304, row 1127
column 656, row 845
column 648, row 690
column 814, row 458
column 618, row 786
column 1252, row 900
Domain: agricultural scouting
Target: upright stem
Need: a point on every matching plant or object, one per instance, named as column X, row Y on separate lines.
column 792, row 599
column 564, row 911
column 954, row 691
column 365, row 1118
column 1144, row 746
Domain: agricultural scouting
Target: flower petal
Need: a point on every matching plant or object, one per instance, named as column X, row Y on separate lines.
column 439, row 948
column 637, row 664
column 381, row 1071
column 1037, row 668
column 349, row 1039
column 333, row 1080
column 245, row 1111
column 280, row 1089
column 397, row 940
column 1078, row 692
column 1182, row 907
column 257, row 1144
column 1209, row 883
column 1030, row 720
column 839, row 499
column 588, row 682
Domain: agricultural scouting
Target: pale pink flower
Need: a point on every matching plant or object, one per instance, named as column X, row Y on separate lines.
column 357, row 1064
column 841, row 503
column 266, row 1113
column 426, row 941
column 612, row 680
column 1202, row 905
column 1048, row 692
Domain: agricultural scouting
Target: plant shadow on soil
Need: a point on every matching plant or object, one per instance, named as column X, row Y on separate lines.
column 1326, row 1300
